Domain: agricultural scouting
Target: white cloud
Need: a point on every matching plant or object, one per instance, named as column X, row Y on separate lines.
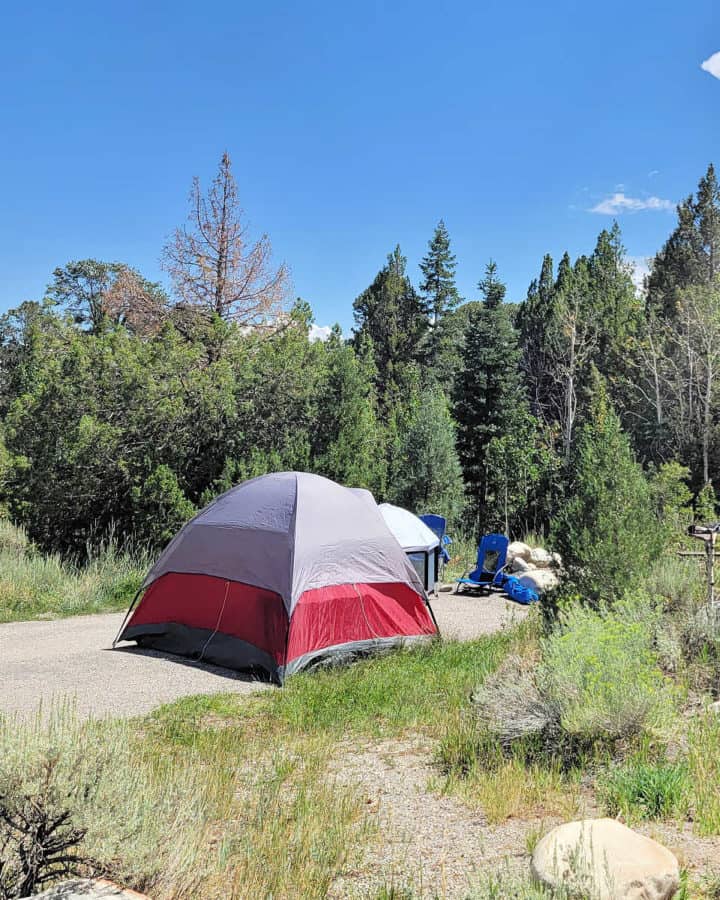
column 319, row 332
column 619, row 203
column 653, row 172
column 639, row 270
column 712, row 65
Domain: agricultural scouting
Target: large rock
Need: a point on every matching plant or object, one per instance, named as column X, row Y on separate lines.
column 540, row 558
column 539, row 580
column 605, row 860
column 520, row 565
column 518, row 550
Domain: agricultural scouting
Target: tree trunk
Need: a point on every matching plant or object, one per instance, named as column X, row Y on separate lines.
column 707, row 421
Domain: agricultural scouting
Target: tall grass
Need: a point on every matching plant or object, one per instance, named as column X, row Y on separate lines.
column 34, row 585
column 704, row 763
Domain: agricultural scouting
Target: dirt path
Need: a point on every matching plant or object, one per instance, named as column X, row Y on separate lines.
column 431, row 844
column 436, row 846
column 71, row 658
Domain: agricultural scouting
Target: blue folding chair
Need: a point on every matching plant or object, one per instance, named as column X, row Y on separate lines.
column 491, row 559
column 438, row 524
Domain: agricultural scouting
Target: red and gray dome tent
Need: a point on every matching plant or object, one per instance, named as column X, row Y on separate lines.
column 279, row 573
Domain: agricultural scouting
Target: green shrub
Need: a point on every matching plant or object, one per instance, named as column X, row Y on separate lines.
column 603, row 675
column 643, row 790
column 509, row 706
column 607, row 532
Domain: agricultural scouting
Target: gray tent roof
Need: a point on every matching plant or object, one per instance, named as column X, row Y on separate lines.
column 289, row 532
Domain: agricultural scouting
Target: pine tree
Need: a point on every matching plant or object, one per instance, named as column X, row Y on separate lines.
column 438, row 269
column 429, row 477
column 607, row 531
column 691, row 255
column 535, row 318
column 613, row 302
column 441, row 298
column 394, row 316
column 488, row 390
column 350, row 439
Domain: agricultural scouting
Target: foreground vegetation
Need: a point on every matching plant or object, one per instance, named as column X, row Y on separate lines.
column 605, row 712
column 242, row 784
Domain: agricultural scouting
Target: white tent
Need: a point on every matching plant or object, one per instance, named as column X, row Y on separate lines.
column 421, row 545
column 410, row 532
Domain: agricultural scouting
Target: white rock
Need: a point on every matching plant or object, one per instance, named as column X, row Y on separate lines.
column 520, row 565
column 604, row 859
column 517, row 550
column 539, row 580
column 557, row 560
column 541, row 558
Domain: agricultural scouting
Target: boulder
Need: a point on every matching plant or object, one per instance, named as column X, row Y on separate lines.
column 557, row 560
column 539, row 580
column 540, row 558
column 605, row 859
column 518, row 550
column 520, row 565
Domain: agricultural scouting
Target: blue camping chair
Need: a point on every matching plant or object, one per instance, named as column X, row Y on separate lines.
column 437, row 524
column 491, row 559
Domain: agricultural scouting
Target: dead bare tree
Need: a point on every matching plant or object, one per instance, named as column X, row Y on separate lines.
column 572, row 344
column 213, row 264
column 700, row 314
column 38, row 841
column 133, row 302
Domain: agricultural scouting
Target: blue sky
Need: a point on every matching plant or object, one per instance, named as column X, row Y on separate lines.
column 352, row 127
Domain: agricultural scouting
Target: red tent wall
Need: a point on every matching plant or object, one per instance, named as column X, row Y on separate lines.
column 239, row 626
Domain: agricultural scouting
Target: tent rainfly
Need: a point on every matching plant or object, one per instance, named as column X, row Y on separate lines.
column 278, row 574
column 420, row 543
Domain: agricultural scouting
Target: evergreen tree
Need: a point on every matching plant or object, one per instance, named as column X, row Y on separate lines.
column 441, row 298
column 394, row 316
column 607, row 532
column 534, row 320
column 350, row 439
column 613, row 300
column 489, row 394
column 691, row 255
column 429, row 478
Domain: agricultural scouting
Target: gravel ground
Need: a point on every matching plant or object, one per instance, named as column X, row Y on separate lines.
column 464, row 616
column 71, row 658
column 437, row 846
column 431, row 844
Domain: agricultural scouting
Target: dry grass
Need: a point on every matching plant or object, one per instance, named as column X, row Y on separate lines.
column 704, row 764
column 246, row 819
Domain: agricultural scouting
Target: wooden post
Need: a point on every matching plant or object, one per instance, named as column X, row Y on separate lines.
column 708, row 534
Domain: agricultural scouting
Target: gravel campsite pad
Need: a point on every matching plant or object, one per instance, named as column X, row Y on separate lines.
column 48, row 661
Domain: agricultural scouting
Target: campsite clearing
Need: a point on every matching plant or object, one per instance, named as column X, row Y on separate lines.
column 70, row 659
